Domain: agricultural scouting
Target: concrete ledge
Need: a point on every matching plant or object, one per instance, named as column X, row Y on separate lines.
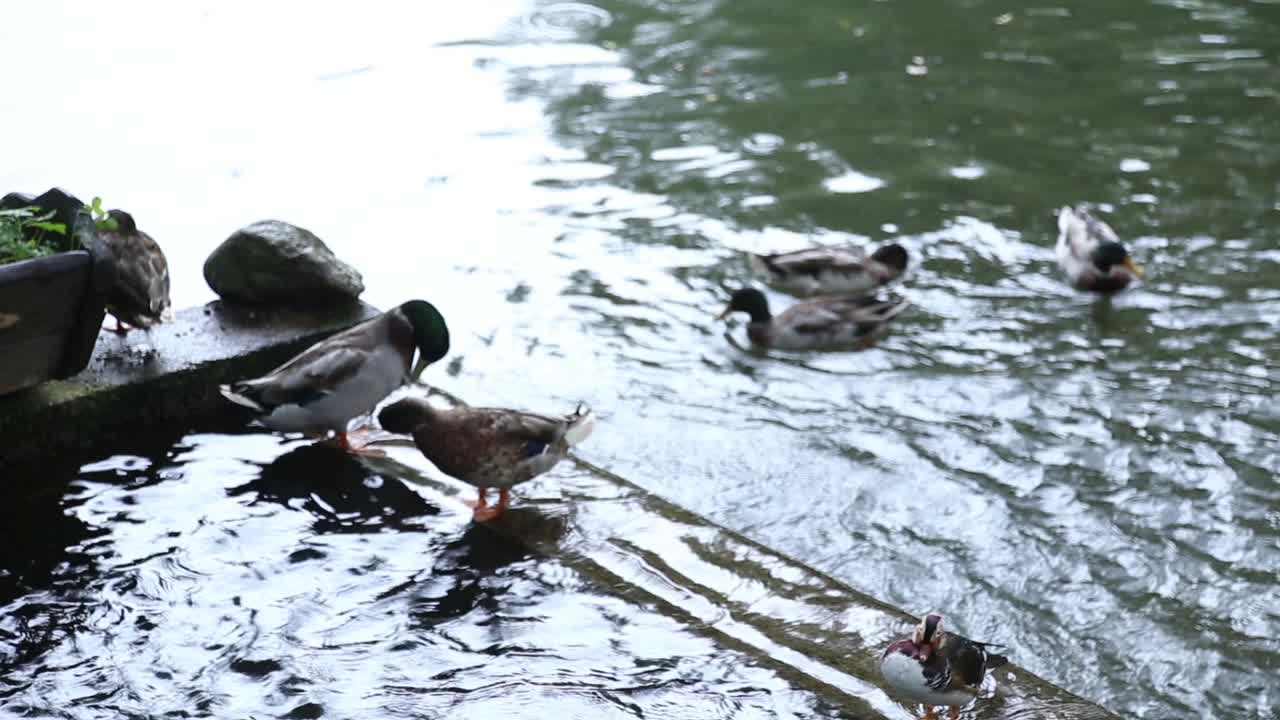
column 171, row 374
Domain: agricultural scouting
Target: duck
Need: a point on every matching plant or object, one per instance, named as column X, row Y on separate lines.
column 826, row 270
column 488, row 447
column 936, row 667
column 139, row 293
column 830, row 322
column 346, row 375
column 1091, row 254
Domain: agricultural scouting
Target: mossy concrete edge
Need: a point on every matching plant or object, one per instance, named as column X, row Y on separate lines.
column 169, row 374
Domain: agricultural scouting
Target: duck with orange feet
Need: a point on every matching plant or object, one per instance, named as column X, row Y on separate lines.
column 139, row 294
column 346, row 375
column 487, row 447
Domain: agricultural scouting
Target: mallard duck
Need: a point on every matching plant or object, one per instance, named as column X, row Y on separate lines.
column 825, row 322
column 832, row 270
column 139, row 292
column 346, row 375
column 938, row 668
column 487, row 447
column 1090, row 253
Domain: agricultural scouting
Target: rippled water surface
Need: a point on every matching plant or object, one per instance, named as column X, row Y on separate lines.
column 577, row 185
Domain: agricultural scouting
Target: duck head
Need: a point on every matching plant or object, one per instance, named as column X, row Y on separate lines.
column 749, row 301
column 1109, row 254
column 892, row 256
column 928, row 635
column 430, row 333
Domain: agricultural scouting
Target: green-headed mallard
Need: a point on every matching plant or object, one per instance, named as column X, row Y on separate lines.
column 938, row 668
column 822, row 323
column 139, row 292
column 487, row 447
column 1090, row 253
column 828, row 270
column 348, row 374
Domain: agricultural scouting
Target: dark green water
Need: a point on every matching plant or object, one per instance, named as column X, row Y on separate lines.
column 1091, row 482
column 576, row 186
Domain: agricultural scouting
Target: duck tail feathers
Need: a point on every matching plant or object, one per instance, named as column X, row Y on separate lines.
column 762, row 264
column 892, row 307
column 1070, row 215
column 581, row 423
column 239, row 393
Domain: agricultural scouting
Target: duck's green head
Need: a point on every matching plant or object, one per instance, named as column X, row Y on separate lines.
column 430, row 333
column 749, row 301
column 1109, row 254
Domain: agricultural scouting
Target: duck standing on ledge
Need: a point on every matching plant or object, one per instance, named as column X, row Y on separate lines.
column 139, row 292
column 938, row 668
column 487, row 447
column 346, row 375
column 832, row 270
column 823, row 323
column 1090, row 253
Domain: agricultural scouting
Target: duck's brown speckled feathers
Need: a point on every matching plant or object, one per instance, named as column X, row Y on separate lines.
column 140, row 292
column 486, row 447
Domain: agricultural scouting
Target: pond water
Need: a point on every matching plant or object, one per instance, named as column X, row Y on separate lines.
column 576, row 185
column 237, row 576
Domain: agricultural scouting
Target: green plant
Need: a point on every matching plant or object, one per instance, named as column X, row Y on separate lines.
column 30, row 232
column 26, row 233
column 101, row 220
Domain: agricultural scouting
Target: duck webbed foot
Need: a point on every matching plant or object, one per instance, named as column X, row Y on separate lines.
column 355, row 443
column 483, row 512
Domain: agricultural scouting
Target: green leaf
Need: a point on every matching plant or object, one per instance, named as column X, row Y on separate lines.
column 60, row 228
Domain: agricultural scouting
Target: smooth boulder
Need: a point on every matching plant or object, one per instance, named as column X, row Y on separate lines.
column 273, row 262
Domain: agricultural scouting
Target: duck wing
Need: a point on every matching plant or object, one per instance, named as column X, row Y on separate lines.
column 536, row 429
column 141, row 274
column 1080, row 232
column 969, row 660
column 308, row 377
column 826, row 315
column 814, row 261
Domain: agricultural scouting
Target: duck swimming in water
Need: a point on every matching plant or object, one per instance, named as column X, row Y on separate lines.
column 1090, row 253
column 835, row 322
column 821, row 271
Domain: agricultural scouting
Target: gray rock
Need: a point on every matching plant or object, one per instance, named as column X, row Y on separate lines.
column 272, row 262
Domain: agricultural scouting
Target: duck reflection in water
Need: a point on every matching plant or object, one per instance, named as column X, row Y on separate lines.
column 342, row 493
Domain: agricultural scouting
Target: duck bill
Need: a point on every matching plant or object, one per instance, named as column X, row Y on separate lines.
column 727, row 311
column 418, row 367
column 1132, row 266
